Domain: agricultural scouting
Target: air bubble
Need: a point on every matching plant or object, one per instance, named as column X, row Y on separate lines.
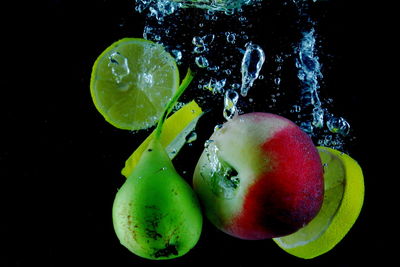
column 230, row 100
column 191, row 137
column 338, row 125
column 202, row 62
column 252, row 63
column 119, row 66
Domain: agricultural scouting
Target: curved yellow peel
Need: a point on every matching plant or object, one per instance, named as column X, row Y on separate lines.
column 343, row 200
column 173, row 135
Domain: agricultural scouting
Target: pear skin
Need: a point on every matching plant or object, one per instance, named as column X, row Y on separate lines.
column 156, row 214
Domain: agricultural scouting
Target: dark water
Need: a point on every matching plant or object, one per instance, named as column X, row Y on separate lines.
column 65, row 166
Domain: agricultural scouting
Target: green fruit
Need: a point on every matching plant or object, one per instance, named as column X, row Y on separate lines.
column 156, row 214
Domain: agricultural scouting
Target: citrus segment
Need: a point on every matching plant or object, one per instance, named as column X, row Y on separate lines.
column 173, row 135
column 132, row 81
column 343, row 199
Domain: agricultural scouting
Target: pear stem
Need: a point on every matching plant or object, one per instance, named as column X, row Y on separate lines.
column 168, row 108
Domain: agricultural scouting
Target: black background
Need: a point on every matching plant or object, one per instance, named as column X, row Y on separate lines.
column 63, row 160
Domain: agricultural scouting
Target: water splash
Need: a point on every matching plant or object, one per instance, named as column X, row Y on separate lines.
column 252, row 62
column 226, row 6
column 222, row 178
column 309, row 74
column 314, row 116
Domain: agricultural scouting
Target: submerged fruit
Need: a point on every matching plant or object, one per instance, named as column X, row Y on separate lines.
column 132, row 81
column 344, row 194
column 156, row 214
column 259, row 177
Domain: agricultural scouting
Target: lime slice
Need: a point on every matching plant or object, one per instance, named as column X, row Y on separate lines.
column 173, row 135
column 344, row 195
column 132, row 81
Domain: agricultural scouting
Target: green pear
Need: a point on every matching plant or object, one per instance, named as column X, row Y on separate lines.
column 156, row 214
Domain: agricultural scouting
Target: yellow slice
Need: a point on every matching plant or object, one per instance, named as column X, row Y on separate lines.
column 173, row 135
column 343, row 200
column 132, row 81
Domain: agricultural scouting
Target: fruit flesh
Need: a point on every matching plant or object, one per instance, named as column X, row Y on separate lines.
column 344, row 194
column 277, row 177
column 133, row 94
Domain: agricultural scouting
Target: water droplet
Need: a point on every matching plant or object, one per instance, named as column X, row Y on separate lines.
column 218, row 127
column 191, row 137
column 119, row 66
column 252, row 62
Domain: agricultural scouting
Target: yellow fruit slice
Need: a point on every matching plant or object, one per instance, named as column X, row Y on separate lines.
column 132, row 81
column 343, row 200
column 173, row 135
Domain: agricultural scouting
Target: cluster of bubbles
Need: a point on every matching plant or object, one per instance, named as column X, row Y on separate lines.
column 240, row 61
column 319, row 123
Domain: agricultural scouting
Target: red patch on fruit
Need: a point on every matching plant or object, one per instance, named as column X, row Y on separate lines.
column 289, row 194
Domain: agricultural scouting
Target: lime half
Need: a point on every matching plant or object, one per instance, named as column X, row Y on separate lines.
column 343, row 199
column 132, row 81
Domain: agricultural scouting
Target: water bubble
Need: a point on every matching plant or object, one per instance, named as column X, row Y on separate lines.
column 215, row 86
column 191, row 137
column 119, row 66
column 235, row 86
column 218, row 127
column 252, row 62
column 229, row 11
column 198, row 41
column 177, row 54
column 242, row 19
column 144, row 81
column 296, row 109
column 199, row 49
column 230, row 100
column 230, row 37
column 202, row 62
column 338, row 125
column 208, row 38
column 228, row 71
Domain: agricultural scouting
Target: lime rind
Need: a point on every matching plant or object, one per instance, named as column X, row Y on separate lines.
column 343, row 201
column 135, row 99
